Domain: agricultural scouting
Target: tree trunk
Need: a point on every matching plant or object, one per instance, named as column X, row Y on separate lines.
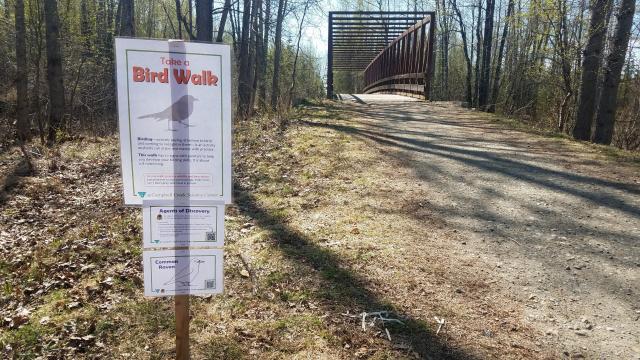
column 476, row 87
column 170, row 20
column 36, row 51
column 295, row 61
column 54, row 70
column 223, row 20
column 590, row 68
column 22, row 125
column 496, row 78
column 262, row 70
column 204, row 20
column 606, row 117
column 277, row 55
column 190, row 2
column 562, row 37
column 244, row 76
column 445, row 51
column 85, row 28
column 179, row 17
column 7, row 13
column 234, row 32
column 117, row 26
column 467, row 58
column 256, row 8
column 483, row 89
column 111, row 13
column 127, row 22
column 260, row 45
column 150, row 19
column 101, row 27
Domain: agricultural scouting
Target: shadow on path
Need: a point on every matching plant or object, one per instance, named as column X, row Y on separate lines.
column 496, row 163
column 349, row 289
column 358, row 99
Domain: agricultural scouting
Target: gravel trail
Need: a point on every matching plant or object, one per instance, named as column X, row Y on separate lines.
column 558, row 222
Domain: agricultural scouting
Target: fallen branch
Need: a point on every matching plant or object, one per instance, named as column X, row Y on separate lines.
column 441, row 322
column 252, row 275
column 382, row 316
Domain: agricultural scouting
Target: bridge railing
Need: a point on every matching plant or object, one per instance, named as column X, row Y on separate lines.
column 405, row 66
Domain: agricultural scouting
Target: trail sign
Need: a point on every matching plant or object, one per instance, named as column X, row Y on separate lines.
column 174, row 110
column 177, row 225
column 174, row 113
column 183, row 272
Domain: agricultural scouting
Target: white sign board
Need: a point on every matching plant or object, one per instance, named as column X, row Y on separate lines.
column 174, row 110
column 183, row 272
column 176, row 226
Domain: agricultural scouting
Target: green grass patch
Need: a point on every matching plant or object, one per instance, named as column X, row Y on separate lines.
column 299, row 323
column 276, row 278
column 294, row 296
column 25, row 341
column 105, row 326
column 149, row 316
column 223, row 348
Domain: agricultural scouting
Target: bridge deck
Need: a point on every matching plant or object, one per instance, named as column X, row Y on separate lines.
column 375, row 98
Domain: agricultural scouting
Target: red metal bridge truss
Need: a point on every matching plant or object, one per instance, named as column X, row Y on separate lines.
column 394, row 49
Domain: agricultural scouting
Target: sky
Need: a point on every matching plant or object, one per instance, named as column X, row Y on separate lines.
column 316, row 32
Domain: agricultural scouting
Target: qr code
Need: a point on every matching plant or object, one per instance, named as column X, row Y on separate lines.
column 211, row 236
column 210, row 284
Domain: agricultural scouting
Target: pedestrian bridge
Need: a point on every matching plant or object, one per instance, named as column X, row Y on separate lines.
column 374, row 98
column 391, row 52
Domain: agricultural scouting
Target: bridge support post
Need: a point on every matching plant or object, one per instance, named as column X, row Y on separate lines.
column 428, row 74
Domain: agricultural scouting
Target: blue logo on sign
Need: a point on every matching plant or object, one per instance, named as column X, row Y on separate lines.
column 142, row 193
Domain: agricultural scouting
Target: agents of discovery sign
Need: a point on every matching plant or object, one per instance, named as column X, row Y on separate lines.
column 174, row 110
column 170, row 225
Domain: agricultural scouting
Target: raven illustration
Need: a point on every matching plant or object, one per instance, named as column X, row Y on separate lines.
column 187, row 274
column 178, row 111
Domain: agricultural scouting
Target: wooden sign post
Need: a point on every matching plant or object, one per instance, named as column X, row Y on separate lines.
column 182, row 327
column 174, row 111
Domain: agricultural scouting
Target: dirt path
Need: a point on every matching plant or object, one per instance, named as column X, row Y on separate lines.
column 550, row 224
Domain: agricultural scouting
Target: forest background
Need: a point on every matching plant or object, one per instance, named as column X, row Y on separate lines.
column 566, row 66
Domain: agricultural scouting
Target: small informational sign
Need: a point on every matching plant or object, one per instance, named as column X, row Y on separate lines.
column 174, row 111
column 182, row 225
column 183, row 272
